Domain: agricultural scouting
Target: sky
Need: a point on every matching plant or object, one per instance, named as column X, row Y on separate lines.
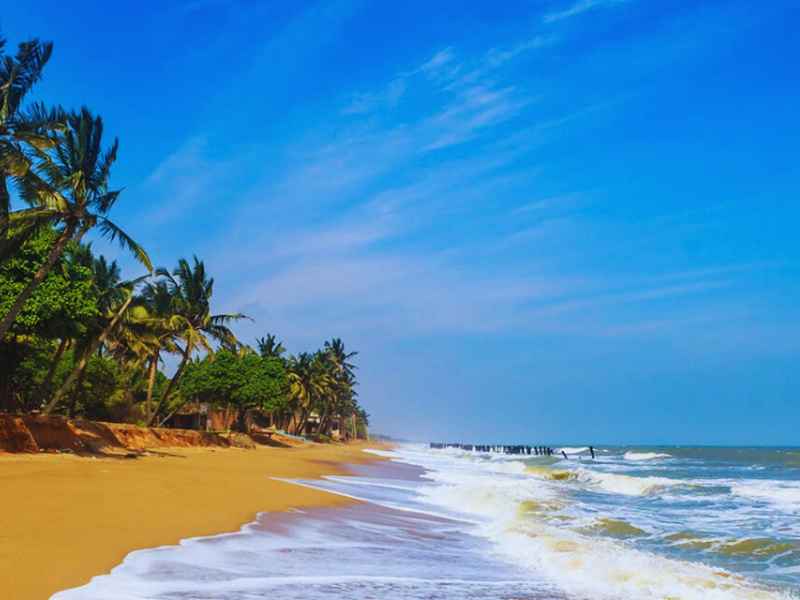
column 538, row 222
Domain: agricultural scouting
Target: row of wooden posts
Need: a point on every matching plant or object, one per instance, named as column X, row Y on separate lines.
column 500, row 449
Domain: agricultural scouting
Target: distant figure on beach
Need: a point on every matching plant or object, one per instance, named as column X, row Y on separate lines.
column 564, row 454
column 591, row 449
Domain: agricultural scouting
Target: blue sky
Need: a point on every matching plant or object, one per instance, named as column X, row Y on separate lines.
column 568, row 221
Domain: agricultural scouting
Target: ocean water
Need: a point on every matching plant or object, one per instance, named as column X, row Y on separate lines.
column 635, row 523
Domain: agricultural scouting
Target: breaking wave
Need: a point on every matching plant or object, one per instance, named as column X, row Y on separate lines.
column 645, row 455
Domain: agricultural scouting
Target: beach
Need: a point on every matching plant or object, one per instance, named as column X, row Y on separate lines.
column 322, row 522
column 65, row 519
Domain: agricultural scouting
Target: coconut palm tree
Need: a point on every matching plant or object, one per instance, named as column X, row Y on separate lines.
column 22, row 129
column 157, row 300
column 270, row 347
column 68, row 187
column 191, row 319
column 115, row 298
column 340, row 398
column 18, row 75
column 340, row 357
column 310, row 385
column 300, row 390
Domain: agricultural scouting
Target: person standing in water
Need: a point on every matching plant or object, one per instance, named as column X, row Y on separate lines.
column 591, row 450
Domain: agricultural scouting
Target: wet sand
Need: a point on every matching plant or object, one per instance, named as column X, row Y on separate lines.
column 64, row 519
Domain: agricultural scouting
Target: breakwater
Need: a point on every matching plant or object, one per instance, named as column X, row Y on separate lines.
column 496, row 448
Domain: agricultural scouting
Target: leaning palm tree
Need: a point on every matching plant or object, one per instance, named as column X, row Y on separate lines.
column 115, row 298
column 157, row 300
column 22, row 128
column 18, row 75
column 191, row 320
column 68, row 187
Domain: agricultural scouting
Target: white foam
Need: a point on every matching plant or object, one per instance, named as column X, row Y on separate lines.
column 489, row 497
column 645, row 455
column 782, row 494
column 604, row 569
column 628, row 485
column 570, row 450
column 591, row 567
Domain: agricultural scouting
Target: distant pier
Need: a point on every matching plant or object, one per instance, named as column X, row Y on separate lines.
column 497, row 448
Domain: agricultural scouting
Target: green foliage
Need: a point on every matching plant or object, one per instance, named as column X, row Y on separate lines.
column 99, row 389
column 247, row 381
column 75, row 337
column 62, row 303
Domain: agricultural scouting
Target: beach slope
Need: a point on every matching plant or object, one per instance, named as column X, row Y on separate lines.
column 64, row 519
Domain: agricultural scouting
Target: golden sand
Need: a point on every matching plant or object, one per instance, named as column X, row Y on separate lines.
column 64, row 519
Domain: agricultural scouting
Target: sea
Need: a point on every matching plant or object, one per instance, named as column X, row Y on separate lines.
column 662, row 523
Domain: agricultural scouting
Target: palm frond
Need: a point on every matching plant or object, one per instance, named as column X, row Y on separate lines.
column 20, row 73
column 114, row 233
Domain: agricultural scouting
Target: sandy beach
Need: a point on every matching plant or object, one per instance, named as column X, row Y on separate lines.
column 64, row 519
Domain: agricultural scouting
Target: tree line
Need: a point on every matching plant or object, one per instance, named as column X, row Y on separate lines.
column 80, row 339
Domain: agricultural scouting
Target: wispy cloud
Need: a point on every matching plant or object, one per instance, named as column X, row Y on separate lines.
column 577, row 9
column 185, row 180
column 417, row 225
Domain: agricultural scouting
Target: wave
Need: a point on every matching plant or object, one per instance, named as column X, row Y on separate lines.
column 757, row 547
column 645, row 455
column 608, row 569
column 615, row 528
column 782, row 494
column 628, row 485
column 578, row 450
column 752, row 547
column 614, row 483
column 551, row 474
column 530, row 522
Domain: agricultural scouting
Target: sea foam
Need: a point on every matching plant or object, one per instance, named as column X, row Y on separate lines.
column 645, row 455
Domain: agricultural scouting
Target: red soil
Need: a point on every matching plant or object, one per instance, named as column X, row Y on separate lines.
column 35, row 433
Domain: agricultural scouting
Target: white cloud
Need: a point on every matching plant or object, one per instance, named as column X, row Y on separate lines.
column 184, row 180
column 403, row 228
column 578, row 9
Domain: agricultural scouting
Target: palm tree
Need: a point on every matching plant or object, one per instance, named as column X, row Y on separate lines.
column 270, row 347
column 335, row 348
column 115, row 298
column 300, row 390
column 191, row 322
column 310, row 384
column 135, row 344
column 340, row 400
column 18, row 75
column 68, row 187
column 157, row 300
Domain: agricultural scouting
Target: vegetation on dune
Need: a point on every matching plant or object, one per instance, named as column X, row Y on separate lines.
column 78, row 338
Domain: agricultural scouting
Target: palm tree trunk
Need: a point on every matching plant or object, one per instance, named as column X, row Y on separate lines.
column 85, row 358
column 151, row 380
column 303, row 425
column 45, row 385
column 323, row 424
column 5, row 204
column 76, row 393
column 162, row 402
column 55, row 253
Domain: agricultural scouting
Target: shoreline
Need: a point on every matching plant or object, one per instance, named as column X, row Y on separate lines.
column 65, row 519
